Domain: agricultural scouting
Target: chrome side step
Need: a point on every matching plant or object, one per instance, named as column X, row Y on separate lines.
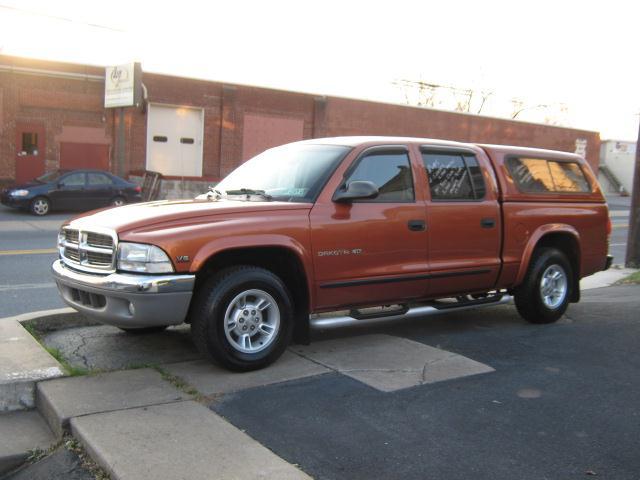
column 330, row 322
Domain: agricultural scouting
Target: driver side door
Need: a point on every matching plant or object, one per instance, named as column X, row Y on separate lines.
column 366, row 252
column 69, row 192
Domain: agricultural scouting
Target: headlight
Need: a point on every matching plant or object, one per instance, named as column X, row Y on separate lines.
column 19, row 193
column 139, row 257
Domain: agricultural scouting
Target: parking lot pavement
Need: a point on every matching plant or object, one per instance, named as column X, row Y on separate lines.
column 561, row 403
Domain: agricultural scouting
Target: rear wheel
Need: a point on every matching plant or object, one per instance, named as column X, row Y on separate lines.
column 546, row 290
column 40, row 206
column 242, row 318
column 118, row 201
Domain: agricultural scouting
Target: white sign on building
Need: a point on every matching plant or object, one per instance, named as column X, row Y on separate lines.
column 120, row 86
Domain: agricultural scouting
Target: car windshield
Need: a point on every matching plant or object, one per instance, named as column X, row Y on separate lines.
column 291, row 173
column 50, row 176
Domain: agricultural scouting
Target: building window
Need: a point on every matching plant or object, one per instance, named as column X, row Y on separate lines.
column 29, row 143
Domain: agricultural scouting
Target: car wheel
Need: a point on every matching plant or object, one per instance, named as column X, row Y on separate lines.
column 40, row 206
column 546, row 290
column 242, row 318
column 118, row 201
column 144, row 330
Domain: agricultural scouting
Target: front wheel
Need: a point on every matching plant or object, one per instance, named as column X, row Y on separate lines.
column 544, row 294
column 40, row 206
column 242, row 318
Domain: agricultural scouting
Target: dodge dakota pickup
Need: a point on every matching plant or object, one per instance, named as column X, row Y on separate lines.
column 340, row 231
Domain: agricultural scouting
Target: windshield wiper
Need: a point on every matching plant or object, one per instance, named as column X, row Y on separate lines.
column 249, row 191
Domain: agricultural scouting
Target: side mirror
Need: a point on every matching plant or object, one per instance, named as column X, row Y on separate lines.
column 355, row 191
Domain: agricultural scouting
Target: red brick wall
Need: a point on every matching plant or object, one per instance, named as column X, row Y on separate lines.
column 57, row 102
column 355, row 117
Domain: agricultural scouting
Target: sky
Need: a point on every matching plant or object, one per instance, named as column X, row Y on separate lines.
column 571, row 62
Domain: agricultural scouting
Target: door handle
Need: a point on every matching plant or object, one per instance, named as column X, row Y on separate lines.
column 488, row 222
column 417, row 225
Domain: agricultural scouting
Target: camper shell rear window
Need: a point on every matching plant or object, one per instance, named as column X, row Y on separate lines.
column 538, row 175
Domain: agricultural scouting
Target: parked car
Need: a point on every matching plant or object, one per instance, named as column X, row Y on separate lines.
column 366, row 228
column 71, row 190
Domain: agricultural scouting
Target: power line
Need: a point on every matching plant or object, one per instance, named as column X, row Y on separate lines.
column 62, row 19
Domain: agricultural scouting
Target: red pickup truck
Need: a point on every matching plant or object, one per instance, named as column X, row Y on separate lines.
column 364, row 227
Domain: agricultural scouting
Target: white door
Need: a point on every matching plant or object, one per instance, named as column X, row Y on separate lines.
column 174, row 140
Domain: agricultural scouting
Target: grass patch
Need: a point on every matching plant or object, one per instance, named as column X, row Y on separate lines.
column 71, row 370
column 633, row 279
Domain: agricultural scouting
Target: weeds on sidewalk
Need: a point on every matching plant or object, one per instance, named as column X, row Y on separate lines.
column 633, row 279
column 73, row 445
column 70, row 370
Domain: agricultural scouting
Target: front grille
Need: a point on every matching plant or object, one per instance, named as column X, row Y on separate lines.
column 89, row 250
column 99, row 240
column 101, row 259
column 71, row 235
column 72, row 254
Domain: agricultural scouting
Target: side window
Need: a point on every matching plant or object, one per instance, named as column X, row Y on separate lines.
column 390, row 172
column 73, row 180
column 536, row 175
column 97, row 179
column 454, row 176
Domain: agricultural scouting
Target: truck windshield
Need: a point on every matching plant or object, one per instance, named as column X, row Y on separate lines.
column 291, row 173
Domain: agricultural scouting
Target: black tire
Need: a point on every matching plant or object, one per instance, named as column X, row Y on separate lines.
column 144, row 330
column 40, row 206
column 529, row 296
column 215, row 298
column 118, row 201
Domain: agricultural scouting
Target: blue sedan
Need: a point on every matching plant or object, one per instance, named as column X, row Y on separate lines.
column 71, row 190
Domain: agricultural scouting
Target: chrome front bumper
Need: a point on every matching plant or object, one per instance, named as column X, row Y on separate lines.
column 126, row 300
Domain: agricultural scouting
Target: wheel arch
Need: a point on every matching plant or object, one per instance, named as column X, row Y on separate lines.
column 282, row 261
column 561, row 236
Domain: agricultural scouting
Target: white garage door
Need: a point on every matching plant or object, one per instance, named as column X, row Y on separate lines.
column 174, row 140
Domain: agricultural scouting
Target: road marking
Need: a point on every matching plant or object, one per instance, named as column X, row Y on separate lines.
column 26, row 286
column 617, row 244
column 620, row 226
column 618, row 213
column 36, row 251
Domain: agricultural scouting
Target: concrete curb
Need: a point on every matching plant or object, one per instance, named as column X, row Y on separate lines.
column 23, row 361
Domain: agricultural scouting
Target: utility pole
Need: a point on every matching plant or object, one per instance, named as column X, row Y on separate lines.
column 633, row 240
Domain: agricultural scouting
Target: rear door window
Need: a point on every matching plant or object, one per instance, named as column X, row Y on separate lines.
column 536, row 175
column 98, row 179
column 454, row 176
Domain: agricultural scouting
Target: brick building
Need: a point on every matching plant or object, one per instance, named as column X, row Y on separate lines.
column 195, row 132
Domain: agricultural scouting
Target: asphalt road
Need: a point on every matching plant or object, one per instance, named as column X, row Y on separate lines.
column 26, row 285
column 562, row 403
column 25, row 282
column 620, row 222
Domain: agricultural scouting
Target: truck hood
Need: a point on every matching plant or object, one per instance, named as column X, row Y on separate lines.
column 146, row 215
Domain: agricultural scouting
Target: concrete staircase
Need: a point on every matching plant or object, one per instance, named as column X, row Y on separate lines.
column 135, row 424
column 23, row 363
